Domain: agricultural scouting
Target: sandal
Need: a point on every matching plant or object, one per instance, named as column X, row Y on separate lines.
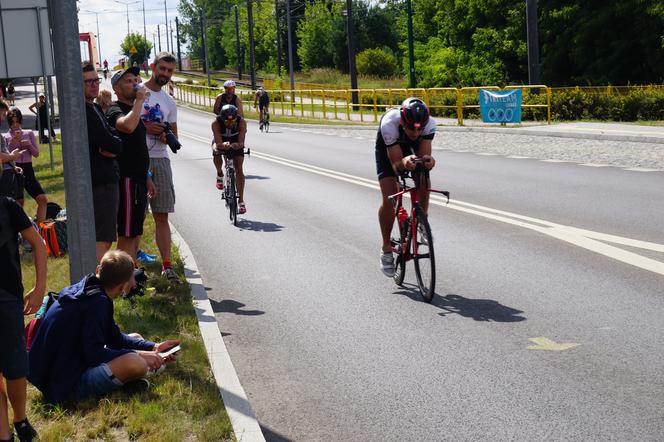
column 243, row 208
column 220, row 182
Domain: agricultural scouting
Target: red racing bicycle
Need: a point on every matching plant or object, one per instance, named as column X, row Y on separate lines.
column 415, row 241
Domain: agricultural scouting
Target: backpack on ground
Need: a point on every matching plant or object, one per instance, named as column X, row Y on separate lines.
column 54, row 234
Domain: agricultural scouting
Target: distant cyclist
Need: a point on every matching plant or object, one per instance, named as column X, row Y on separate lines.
column 228, row 97
column 229, row 130
column 263, row 100
column 403, row 135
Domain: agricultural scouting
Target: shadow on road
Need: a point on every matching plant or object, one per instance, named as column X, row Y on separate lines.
column 256, row 177
column 235, row 307
column 258, row 226
column 273, row 436
column 476, row 309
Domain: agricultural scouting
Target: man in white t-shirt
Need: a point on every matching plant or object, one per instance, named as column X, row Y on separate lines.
column 160, row 108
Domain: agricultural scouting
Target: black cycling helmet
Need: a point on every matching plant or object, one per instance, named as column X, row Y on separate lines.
column 414, row 113
column 228, row 113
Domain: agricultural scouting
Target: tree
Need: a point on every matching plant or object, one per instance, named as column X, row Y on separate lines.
column 142, row 47
column 315, row 48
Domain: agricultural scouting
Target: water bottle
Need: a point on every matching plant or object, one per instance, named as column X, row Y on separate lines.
column 402, row 216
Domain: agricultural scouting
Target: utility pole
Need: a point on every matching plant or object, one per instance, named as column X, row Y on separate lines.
column 237, row 44
column 252, row 66
column 154, row 41
column 411, row 56
column 166, row 15
column 171, row 35
column 533, row 42
column 177, row 37
column 351, row 51
column 205, row 51
column 76, row 157
column 159, row 37
column 145, row 37
column 290, row 53
column 276, row 15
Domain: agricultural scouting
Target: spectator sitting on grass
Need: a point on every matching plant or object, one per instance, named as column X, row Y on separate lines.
column 79, row 350
column 13, row 358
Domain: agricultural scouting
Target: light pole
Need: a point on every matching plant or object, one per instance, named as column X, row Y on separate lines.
column 276, row 15
column 237, row 43
column 252, row 67
column 533, row 42
column 98, row 38
column 177, row 38
column 351, row 51
column 127, row 5
column 411, row 56
column 290, row 54
column 166, row 16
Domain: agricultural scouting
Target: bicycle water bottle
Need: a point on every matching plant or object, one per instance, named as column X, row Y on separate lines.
column 402, row 216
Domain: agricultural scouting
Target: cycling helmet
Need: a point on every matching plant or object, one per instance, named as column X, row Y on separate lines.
column 228, row 113
column 229, row 83
column 414, row 113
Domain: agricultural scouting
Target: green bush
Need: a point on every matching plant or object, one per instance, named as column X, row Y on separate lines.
column 376, row 62
column 645, row 104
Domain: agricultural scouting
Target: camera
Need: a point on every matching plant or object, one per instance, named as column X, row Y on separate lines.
column 171, row 140
column 141, row 282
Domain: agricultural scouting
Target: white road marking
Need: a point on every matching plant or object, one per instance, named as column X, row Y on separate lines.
column 518, row 157
column 641, row 169
column 555, row 161
column 587, row 239
column 594, row 165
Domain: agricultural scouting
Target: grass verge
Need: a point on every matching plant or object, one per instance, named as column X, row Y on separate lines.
column 183, row 402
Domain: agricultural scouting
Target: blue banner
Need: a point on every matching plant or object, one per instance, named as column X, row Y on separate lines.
column 500, row 106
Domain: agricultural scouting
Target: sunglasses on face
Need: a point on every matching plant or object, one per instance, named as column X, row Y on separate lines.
column 92, row 81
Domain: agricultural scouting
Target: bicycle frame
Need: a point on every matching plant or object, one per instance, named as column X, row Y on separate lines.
column 420, row 173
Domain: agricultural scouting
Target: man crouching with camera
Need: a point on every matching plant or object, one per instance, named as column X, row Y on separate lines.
column 160, row 118
column 136, row 184
column 79, row 350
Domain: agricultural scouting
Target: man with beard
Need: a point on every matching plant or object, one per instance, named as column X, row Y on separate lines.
column 136, row 184
column 159, row 108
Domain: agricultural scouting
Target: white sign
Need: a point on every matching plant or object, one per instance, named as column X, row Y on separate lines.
column 25, row 39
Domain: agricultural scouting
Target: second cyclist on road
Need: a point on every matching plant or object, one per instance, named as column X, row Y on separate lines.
column 263, row 101
column 403, row 135
column 229, row 130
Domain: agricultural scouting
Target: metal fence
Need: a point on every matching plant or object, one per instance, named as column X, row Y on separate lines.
column 337, row 104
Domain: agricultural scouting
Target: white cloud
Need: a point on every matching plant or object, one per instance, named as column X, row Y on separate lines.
column 113, row 22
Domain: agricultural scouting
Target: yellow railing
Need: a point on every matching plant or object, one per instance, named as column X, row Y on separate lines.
column 370, row 104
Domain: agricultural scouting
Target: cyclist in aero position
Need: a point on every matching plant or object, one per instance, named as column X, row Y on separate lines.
column 229, row 130
column 228, row 97
column 404, row 134
column 263, row 101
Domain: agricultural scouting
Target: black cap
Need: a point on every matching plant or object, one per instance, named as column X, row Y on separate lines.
column 119, row 74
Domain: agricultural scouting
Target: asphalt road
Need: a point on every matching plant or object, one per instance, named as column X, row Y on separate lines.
column 329, row 349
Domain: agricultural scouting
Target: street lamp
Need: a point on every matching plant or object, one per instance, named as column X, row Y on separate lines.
column 98, row 38
column 127, row 5
column 351, row 50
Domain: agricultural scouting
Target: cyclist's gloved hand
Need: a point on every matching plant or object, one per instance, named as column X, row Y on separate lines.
column 409, row 162
column 429, row 162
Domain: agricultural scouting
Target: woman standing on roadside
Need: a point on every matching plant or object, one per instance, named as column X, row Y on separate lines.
column 17, row 138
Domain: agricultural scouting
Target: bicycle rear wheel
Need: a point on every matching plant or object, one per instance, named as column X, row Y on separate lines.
column 399, row 243
column 425, row 262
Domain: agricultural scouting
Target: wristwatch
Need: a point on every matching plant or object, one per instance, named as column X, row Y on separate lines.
column 150, row 175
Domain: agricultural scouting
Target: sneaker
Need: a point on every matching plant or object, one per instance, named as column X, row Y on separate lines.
column 136, row 386
column 243, row 208
column 24, row 431
column 145, row 257
column 220, row 182
column 170, row 274
column 387, row 263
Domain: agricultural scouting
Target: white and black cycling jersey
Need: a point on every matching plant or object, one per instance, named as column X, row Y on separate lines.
column 390, row 132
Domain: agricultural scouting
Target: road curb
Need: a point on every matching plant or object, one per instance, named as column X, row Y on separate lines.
column 242, row 416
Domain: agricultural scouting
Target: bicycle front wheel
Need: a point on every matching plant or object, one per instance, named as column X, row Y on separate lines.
column 425, row 262
column 232, row 197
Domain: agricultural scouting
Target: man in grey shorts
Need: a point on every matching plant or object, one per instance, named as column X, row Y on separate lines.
column 159, row 108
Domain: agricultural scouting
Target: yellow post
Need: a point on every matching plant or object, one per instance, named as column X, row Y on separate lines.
column 459, row 107
column 301, row 103
column 375, row 99
column 347, row 106
column 426, row 97
column 323, row 98
column 334, row 104
column 389, row 98
column 548, row 105
column 311, row 97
